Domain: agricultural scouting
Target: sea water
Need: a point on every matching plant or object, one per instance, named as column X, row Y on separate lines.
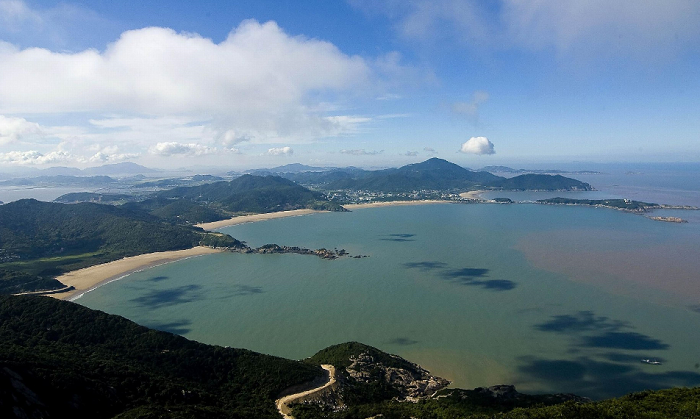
column 549, row 298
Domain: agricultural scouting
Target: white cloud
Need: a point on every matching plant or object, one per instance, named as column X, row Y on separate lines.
column 478, row 145
column 259, row 82
column 361, row 152
column 14, row 129
column 33, row 157
column 470, row 110
column 280, row 151
column 174, row 148
column 110, row 154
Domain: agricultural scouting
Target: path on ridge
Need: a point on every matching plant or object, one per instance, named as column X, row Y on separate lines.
column 283, row 403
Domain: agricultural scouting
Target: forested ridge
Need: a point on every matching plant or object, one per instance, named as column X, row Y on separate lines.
column 39, row 240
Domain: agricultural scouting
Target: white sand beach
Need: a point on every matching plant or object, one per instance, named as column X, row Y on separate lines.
column 89, row 278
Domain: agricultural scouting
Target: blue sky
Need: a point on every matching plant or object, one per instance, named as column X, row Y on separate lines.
column 358, row 82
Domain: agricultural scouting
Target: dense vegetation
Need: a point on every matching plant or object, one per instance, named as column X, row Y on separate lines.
column 220, row 200
column 39, row 240
column 59, row 359
column 623, row 204
column 541, row 182
column 677, row 403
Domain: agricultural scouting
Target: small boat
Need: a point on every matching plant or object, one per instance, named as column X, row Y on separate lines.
column 651, row 361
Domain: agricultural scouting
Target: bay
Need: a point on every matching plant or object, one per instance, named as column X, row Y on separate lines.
column 481, row 294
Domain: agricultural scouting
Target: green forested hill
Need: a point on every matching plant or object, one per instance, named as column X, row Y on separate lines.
column 59, row 359
column 221, row 200
column 255, row 194
column 39, row 240
column 434, row 174
column 541, row 182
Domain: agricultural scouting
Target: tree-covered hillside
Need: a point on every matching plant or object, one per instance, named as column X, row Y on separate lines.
column 220, row 200
column 59, row 359
column 42, row 239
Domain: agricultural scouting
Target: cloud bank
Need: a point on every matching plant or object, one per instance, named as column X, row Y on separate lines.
column 258, row 86
column 478, row 145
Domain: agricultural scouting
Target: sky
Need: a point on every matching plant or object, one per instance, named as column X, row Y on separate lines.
column 367, row 83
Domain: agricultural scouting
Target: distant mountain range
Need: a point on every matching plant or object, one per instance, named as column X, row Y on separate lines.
column 432, row 174
column 116, row 169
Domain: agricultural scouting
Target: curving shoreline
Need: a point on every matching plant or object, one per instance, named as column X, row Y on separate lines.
column 87, row 279
column 242, row 219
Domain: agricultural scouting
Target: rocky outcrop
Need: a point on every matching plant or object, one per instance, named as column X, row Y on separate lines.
column 413, row 382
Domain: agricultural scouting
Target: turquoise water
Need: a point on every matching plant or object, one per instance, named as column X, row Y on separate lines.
column 546, row 298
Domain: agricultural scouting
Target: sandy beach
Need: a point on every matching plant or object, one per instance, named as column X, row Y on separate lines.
column 255, row 217
column 472, row 194
column 393, row 203
column 89, row 278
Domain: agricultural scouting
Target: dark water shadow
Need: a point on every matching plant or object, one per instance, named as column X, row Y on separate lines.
column 596, row 379
column 624, row 358
column 169, row 297
column 179, row 327
column 402, row 237
column 579, row 322
column 425, row 266
column 494, row 284
column 624, row 340
column 470, row 277
column 240, row 290
column 402, row 341
column 695, row 308
column 158, row 278
column 466, row 273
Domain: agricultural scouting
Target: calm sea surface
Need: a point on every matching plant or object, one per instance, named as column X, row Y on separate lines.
column 565, row 299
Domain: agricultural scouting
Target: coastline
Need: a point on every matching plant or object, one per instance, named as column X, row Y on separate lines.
column 241, row 219
column 351, row 207
column 87, row 279
column 473, row 194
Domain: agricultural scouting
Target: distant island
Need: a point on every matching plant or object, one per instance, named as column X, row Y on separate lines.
column 626, row 205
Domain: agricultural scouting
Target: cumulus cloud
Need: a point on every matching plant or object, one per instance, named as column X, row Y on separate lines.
column 173, row 148
column 14, row 129
column 470, row 110
column 361, row 152
column 34, row 157
column 478, row 145
column 110, row 154
column 259, row 82
column 280, row 151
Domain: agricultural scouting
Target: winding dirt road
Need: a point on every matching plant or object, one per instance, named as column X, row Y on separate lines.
column 283, row 403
